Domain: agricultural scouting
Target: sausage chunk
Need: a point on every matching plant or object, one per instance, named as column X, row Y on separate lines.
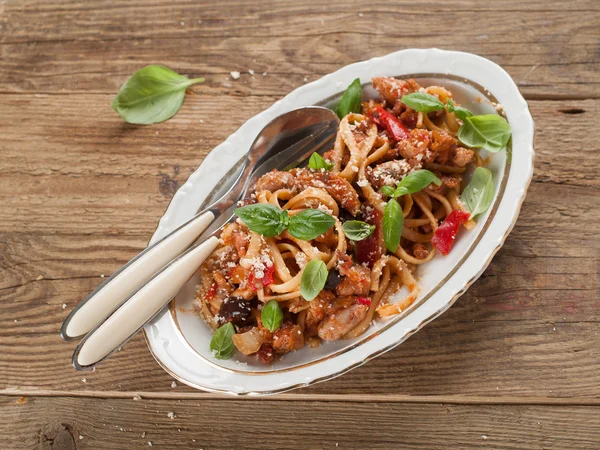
column 336, row 186
column 275, row 180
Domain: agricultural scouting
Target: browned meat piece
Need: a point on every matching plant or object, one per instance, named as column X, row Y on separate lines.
column 240, row 242
column 274, row 180
column 409, row 118
column 368, row 108
column 392, row 89
column 266, row 354
column 336, row 186
column 345, row 314
column 328, row 155
column 443, row 144
column 387, row 174
column 356, row 281
column 316, row 312
column 416, row 149
column 287, row 338
column 420, row 251
column 462, row 156
column 448, row 182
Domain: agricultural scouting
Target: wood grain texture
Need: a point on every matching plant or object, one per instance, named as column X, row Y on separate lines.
column 86, row 199
column 515, row 359
column 550, row 48
column 227, row 424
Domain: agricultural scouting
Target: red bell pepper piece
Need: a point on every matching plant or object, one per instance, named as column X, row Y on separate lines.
column 267, row 278
column 391, row 123
column 364, row 301
column 212, row 291
column 446, row 233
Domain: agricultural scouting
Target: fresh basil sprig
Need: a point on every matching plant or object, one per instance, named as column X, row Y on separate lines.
column 461, row 113
column 317, row 162
column 415, row 182
column 271, row 315
column 313, row 279
column 357, row 230
column 153, row 94
column 268, row 220
column 489, row 131
column 393, row 221
column 221, row 344
column 309, row 224
column 422, row 102
column 411, row 183
column 263, row 218
column 350, row 101
column 479, row 193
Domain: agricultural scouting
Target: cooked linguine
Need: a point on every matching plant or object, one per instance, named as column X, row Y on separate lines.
column 374, row 151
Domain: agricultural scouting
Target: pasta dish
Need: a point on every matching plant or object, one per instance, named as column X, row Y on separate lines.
column 316, row 253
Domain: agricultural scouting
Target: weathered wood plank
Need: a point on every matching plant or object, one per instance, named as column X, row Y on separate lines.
column 549, row 49
column 472, row 350
column 82, row 423
column 86, row 170
column 82, row 194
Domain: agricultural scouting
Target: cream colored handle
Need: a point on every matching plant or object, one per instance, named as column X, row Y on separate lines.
column 129, row 278
column 142, row 306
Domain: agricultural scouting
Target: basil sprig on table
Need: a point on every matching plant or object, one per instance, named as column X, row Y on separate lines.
column 271, row 315
column 153, row 94
column 313, row 279
column 479, row 193
column 357, row 230
column 393, row 218
column 489, row 131
column 350, row 101
column 317, row 162
column 221, row 344
column 268, row 220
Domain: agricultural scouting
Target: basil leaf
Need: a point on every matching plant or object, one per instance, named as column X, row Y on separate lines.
column 415, row 182
column 479, row 193
column 388, row 190
column 422, row 102
column 489, row 131
column 309, row 224
column 317, row 162
column 221, row 344
column 461, row 113
column 357, row 230
column 263, row 218
column 271, row 315
column 393, row 220
column 313, row 279
column 350, row 101
column 153, row 94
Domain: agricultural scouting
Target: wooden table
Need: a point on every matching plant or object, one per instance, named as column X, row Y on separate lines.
column 514, row 364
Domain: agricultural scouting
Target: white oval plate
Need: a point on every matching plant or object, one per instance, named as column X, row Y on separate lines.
column 179, row 340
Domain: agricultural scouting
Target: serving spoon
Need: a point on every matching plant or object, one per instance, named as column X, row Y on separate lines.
column 138, row 291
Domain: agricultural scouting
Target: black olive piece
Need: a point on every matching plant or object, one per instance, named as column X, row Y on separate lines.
column 237, row 311
column 333, row 279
